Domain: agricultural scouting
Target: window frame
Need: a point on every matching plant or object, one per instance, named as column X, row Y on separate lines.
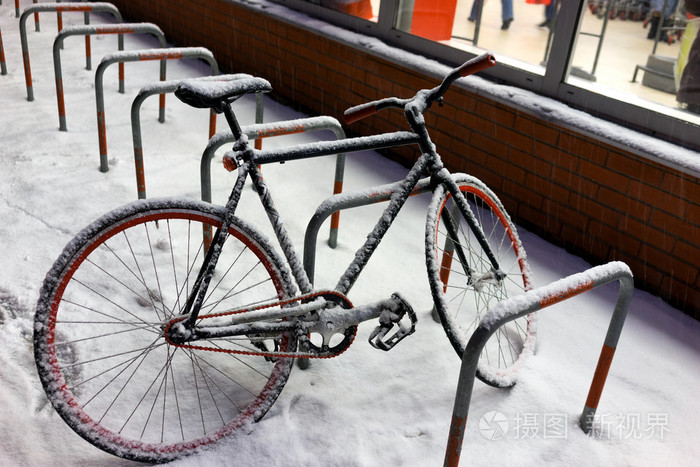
column 655, row 120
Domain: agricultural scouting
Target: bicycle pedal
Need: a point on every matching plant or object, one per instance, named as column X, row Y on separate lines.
column 399, row 313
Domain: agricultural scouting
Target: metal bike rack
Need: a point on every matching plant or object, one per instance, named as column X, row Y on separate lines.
column 260, row 131
column 529, row 302
column 3, row 66
column 37, row 27
column 338, row 202
column 120, row 29
column 266, row 130
column 174, row 53
column 168, row 87
column 57, row 7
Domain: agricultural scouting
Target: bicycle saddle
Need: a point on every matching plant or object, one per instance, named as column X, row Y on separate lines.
column 210, row 94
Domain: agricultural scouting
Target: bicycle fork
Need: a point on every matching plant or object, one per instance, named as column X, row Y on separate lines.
column 453, row 245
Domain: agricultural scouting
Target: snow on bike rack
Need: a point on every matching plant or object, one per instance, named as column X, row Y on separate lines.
column 529, row 302
column 168, row 87
column 174, row 53
column 57, row 7
column 120, row 29
column 59, row 18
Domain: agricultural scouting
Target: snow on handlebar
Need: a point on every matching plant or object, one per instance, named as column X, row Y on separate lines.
column 483, row 61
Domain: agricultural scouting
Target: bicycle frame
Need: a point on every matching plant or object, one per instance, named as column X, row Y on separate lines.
column 247, row 160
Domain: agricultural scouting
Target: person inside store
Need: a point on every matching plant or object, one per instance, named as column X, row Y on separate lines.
column 689, row 88
column 506, row 12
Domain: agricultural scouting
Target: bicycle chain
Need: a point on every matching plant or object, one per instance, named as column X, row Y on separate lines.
column 267, row 354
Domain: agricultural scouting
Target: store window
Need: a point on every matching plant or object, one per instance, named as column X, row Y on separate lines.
column 517, row 29
column 639, row 48
column 619, row 60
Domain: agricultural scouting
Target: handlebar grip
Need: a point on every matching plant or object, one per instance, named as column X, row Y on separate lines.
column 476, row 64
column 359, row 112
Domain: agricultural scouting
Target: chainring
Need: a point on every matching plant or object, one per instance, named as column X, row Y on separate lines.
column 325, row 351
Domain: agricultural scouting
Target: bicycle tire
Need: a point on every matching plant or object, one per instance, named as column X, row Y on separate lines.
column 461, row 305
column 98, row 341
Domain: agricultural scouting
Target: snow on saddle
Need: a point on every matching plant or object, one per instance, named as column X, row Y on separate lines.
column 211, row 94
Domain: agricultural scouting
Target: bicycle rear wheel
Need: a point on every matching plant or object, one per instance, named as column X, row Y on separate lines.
column 99, row 342
column 463, row 285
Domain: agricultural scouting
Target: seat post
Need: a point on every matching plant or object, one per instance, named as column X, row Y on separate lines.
column 232, row 120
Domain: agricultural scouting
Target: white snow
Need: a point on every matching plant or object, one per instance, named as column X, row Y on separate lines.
column 366, row 407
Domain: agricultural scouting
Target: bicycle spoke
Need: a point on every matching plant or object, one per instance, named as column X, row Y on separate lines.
column 466, row 292
column 116, row 319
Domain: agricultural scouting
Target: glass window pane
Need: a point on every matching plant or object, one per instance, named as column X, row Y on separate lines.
column 619, row 42
column 512, row 28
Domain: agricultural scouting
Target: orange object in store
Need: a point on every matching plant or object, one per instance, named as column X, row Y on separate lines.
column 433, row 19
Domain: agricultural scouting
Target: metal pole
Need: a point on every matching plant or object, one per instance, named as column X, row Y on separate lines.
column 138, row 56
column 36, row 19
column 602, row 36
column 88, row 48
column 121, row 29
column 3, row 66
column 53, row 7
column 159, row 88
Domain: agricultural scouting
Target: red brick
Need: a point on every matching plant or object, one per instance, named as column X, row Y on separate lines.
column 582, row 147
column 514, row 139
column 538, row 130
column 664, row 261
column 583, row 241
column 670, row 223
column 646, row 233
column 546, row 218
column 688, row 251
column 565, row 215
column 599, row 174
column 625, row 204
column 530, row 163
column 574, row 183
column 487, row 144
column 546, row 188
column 496, row 114
column 693, row 216
column 681, row 185
column 660, row 199
column 474, row 122
column 591, row 208
column 618, row 240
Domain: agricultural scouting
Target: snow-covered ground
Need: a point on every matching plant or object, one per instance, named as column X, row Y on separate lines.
column 366, row 407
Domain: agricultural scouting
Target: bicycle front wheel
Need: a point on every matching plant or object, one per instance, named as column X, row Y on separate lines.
column 99, row 332
column 462, row 282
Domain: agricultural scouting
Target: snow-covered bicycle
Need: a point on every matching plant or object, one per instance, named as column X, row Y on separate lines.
column 168, row 324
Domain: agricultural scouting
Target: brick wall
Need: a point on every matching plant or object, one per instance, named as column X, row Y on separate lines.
column 597, row 200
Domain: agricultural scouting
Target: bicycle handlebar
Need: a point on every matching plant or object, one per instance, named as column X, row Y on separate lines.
column 476, row 64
